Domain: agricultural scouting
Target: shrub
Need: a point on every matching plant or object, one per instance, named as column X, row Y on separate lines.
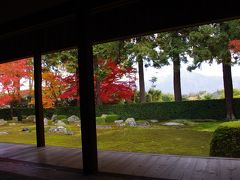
column 61, row 117
column 111, row 118
column 149, row 98
column 100, row 120
column 50, row 122
column 226, row 140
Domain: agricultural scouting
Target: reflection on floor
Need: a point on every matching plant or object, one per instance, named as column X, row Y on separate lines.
column 126, row 163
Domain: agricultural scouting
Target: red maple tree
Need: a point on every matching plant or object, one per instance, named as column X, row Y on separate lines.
column 116, row 83
column 234, row 45
column 11, row 74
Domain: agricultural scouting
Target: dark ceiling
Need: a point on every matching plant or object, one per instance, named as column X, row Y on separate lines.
column 50, row 25
column 16, row 9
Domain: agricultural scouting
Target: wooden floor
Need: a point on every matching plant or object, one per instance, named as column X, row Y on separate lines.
column 139, row 164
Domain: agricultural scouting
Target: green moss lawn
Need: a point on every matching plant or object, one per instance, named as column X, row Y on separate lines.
column 192, row 139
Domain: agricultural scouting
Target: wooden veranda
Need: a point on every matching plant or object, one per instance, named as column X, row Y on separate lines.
column 127, row 163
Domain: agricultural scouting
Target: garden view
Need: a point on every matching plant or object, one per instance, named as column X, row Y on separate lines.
column 129, row 115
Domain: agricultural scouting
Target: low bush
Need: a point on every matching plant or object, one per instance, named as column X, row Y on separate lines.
column 100, row 120
column 111, row 118
column 61, row 117
column 50, row 122
column 226, row 140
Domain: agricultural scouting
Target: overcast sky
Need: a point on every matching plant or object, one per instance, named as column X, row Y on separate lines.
column 213, row 70
column 206, row 69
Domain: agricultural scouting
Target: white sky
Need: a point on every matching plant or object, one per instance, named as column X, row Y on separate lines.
column 206, row 70
column 213, row 70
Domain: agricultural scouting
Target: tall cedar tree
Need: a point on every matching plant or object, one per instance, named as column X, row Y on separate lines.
column 211, row 42
column 142, row 50
column 173, row 47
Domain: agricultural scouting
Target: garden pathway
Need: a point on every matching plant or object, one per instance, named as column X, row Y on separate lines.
column 137, row 164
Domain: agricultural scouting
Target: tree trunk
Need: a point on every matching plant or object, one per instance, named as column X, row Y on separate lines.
column 11, row 110
column 78, row 92
column 177, row 79
column 228, row 90
column 141, row 80
column 98, row 82
column 30, row 85
column 98, row 99
column 17, row 85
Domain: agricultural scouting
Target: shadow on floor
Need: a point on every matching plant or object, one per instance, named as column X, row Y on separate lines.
column 21, row 170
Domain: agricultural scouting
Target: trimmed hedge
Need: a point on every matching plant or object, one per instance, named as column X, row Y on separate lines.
column 226, row 140
column 111, row 118
column 207, row 109
column 6, row 113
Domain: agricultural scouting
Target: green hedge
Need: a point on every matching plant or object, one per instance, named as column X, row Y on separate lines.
column 68, row 111
column 6, row 113
column 208, row 109
column 226, row 140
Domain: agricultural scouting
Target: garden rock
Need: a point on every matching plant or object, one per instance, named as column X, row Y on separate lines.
column 73, row 119
column 143, row 124
column 173, row 124
column 103, row 127
column 120, row 123
column 54, row 117
column 45, row 121
column 3, row 132
column 12, row 124
column 131, row 122
column 15, row 119
column 59, row 129
column 154, row 121
column 60, row 123
column 104, row 115
column 31, row 118
column 25, row 129
column 2, row 122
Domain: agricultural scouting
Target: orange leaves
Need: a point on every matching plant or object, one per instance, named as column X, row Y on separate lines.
column 115, row 83
column 52, row 88
column 11, row 74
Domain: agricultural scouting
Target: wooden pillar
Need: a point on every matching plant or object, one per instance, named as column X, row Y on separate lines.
column 38, row 100
column 87, row 99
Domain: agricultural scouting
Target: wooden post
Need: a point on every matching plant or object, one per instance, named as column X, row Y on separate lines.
column 87, row 99
column 38, row 99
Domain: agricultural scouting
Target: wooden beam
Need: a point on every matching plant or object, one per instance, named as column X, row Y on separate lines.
column 38, row 99
column 56, row 27
column 87, row 99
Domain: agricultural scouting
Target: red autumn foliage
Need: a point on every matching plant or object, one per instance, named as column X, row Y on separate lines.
column 234, row 45
column 116, row 83
column 113, row 87
column 10, row 75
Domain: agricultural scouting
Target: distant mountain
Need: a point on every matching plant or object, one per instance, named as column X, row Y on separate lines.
column 191, row 83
